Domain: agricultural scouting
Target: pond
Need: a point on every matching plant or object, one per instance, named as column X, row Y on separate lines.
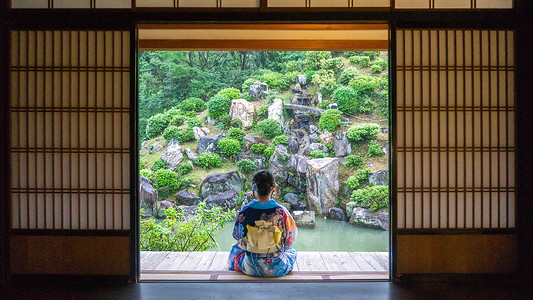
column 327, row 235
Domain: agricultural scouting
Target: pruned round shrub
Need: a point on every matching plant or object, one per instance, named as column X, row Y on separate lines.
column 330, row 120
column 263, row 112
column 333, row 63
column 375, row 69
column 365, row 85
column 363, row 132
column 247, row 83
column 246, row 166
column 171, row 133
column 218, row 106
column 372, row 197
column 235, row 123
column 193, row 104
column 374, row 149
column 184, row 168
column 313, row 59
column 231, row 93
column 229, row 146
column 274, row 80
column 354, row 160
column 347, row 75
column 166, row 182
column 236, row 134
column 225, row 121
column 280, row 139
column 317, row 154
column 209, row 160
column 346, row 98
column 158, row 165
column 178, row 120
column 268, row 153
column 155, row 125
column 269, row 128
column 380, row 62
column 193, row 122
column 362, row 61
column 358, row 179
column 147, row 173
column 186, row 134
column 258, row 148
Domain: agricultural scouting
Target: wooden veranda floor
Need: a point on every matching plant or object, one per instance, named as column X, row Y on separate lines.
column 309, row 266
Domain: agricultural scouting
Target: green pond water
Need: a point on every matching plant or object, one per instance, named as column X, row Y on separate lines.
column 327, row 235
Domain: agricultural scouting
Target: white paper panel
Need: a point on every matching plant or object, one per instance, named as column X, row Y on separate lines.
column 412, row 4
column 29, row 3
column 453, row 4
column 198, row 3
column 72, row 4
column 286, row 3
column 371, row 3
column 506, row 4
column 113, row 3
column 155, row 3
column 240, row 3
column 329, row 3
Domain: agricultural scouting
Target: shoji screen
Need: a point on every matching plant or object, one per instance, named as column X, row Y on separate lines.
column 70, row 116
column 455, row 142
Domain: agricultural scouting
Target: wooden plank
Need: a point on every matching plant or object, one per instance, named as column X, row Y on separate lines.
column 205, row 261
column 192, row 260
column 173, row 261
column 365, row 261
column 339, row 261
column 382, row 258
column 152, row 260
column 143, row 255
column 311, row 261
column 219, row 262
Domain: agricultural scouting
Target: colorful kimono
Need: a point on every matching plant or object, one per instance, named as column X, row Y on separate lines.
column 265, row 233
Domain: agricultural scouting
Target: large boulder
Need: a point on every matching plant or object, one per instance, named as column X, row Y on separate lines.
column 322, row 184
column 297, row 169
column 275, row 111
column 326, row 137
column 209, row 143
column 251, row 140
column 226, row 200
column 363, row 217
column 304, row 218
column 341, row 144
column 336, row 214
column 294, row 146
column 278, row 165
column 187, row 198
column 318, row 146
column 200, row 131
column 172, row 155
column 291, row 198
column 221, row 182
column 147, row 196
column 191, row 155
column 164, row 205
column 301, row 79
column 242, row 110
column 380, row 177
column 350, row 206
column 258, row 160
column 258, row 90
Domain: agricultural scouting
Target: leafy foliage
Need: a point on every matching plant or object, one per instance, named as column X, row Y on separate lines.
column 171, row 133
column 147, row 173
column 178, row 120
column 347, row 75
column 155, row 125
column 246, row 166
column 274, row 80
column 346, row 98
column 280, row 139
column 363, row 132
column 185, row 134
column 166, row 182
column 218, row 106
column 354, row 160
column 184, row 168
column 362, row 61
column 229, row 146
column 231, row 93
column 380, row 62
column 375, row 69
column 365, row 85
column 193, row 122
column 180, row 233
column 258, row 148
column 333, row 64
column 374, row 149
column 313, row 59
column 159, row 164
column 325, row 80
column 235, row 123
column 263, row 112
column 372, row 197
column 330, row 120
column 317, row 154
column 269, row 128
column 209, row 160
column 236, row 134
column 268, row 153
column 358, row 179
column 193, row 104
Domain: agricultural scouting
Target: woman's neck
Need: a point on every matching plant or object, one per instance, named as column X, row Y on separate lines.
column 263, row 199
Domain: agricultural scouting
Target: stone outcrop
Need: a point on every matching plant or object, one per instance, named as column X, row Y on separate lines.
column 258, row 160
column 278, row 165
column 221, row 182
column 200, row 131
column 172, row 155
column 275, row 111
column 294, row 146
column 209, row 143
column 304, row 108
column 147, row 196
column 291, row 198
column 187, row 198
column 304, row 218
column 341, row 144
column 326, row 137
column 301, row 79
column 380, row 177
column 226, row 200
column 242, row 110
column 322, row 184
column 251, row 140
column 297, row 171
column 336, row 214
column 258, row 90
column 191, row 155
column 363, row 217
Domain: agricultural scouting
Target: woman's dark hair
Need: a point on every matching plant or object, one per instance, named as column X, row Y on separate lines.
column 262, row 182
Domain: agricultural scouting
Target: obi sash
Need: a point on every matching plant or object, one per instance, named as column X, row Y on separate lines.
column 263, row 237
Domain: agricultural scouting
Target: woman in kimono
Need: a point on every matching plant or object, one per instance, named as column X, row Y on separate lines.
column 265, row 232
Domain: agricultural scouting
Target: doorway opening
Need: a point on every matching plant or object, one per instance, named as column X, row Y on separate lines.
column 307, row 102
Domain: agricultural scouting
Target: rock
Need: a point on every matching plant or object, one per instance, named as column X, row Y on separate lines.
column 333, row 106
column 278, row 165
column 385, row 150
column 221, row 182
column 211, row 121
column 380, row 177
column 286, row 205
column 312, row 129
column 370, row 165
column 301, row 79
column 172, row 155
column 189, row 210
column 301, row 205
column 258, row 90
column 275, row 111
column 318, row 146
column 166, row 205
column 317, row 99
column 363, row 217
column 226, row 200
column 296, row 91
column 251, row 140
column 304, row 218
column 341, row 144
column 326, row 137
column 313, row 138
column 350, row 206
column 156, row 148
column 147, row 196
column 248, row 197
column 242, row 110
column 191, row 155
column 200, row 131
column 322, row 184
column 187, row 198
column 209, row 143
column 258, row 160
column 291, row 198
column 297, row 169
column 144, row 145
column 293, row 145
column 336, row 214
column 384, row 129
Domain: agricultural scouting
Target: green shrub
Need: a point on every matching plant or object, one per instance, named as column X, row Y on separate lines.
column 146, row 173
column 317, row 154
column 287, row 190
column 236, row 134
column 231, row 93
column 358, row 179
column 330, row 120
column 375, row 69
column 171, row 133
column 382, row 63
column 247, row 83
column 362, row 61
column 374, row 149
column 225, row 121
column 193, row 122
column 219, row 106
column 186, row 134
column 324, row 104
column 184, row 168
column 324, row 79
column 313, row 59
column 193, row 104
column 229, row 146
column 274, row 80
column 354, row 160
column 333, row 64
column 346, row 98
column 269, row 128
column 372, row 197
column 246, row 96
column 142, row 130
column 166, row 182
column 155, row 125
column 268, row 153
column 347, row 75
column 178, row 120
column 158, row 165
column 235, row 123
column 258, row 148
column 209, row 160
column 178, row 232
column 363, row 132
column 263, row 112
column 365, row 85
column 280, row 139
column 246, row 166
